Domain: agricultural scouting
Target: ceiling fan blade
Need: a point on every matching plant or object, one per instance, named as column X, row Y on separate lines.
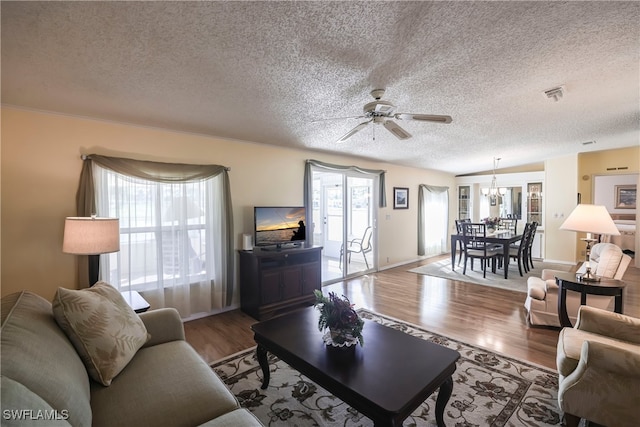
column 424, row 117
column 354, row 130
column 396, row 130
column 337, row 118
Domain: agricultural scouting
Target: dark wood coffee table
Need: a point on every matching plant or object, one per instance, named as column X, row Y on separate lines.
column 386, row 380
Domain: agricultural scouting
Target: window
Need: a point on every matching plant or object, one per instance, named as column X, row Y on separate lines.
column 175, row 231
column 433, row 219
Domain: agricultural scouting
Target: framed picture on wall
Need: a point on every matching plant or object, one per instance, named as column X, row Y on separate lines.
column 625, row 196
column 400, row 198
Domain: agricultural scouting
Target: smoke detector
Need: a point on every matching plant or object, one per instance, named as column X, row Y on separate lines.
column 555, row 93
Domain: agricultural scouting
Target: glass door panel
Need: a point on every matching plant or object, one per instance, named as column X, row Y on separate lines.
column 343, row 218
column 360, row 225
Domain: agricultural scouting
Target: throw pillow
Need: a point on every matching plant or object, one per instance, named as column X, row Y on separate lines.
column 104, row 330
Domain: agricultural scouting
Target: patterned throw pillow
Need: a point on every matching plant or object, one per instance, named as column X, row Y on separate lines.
column 104, row 330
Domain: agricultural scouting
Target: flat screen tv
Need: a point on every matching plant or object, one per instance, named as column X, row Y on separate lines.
column 279, row 226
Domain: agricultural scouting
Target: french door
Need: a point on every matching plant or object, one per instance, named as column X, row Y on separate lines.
column 344, row 222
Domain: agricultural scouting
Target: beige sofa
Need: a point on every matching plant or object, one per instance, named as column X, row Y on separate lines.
column 606, row 260
column 598, row 364
column 165, row 383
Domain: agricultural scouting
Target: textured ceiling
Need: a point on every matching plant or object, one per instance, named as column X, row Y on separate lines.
column 267, row 71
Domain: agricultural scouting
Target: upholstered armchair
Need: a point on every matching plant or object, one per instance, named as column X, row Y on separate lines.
column 606, row 260
column 598, row 363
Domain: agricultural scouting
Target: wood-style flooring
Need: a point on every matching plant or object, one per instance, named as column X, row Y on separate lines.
column 488, row 317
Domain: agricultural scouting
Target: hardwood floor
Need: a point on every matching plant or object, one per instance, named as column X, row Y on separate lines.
column 488, row 317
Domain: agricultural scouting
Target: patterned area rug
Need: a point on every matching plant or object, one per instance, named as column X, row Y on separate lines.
column 513, row 283
column 489, row 390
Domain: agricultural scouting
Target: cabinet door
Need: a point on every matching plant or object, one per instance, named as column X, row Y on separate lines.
column 464, row 202
column 311, row 278
column 270, row 286
column 291, row 282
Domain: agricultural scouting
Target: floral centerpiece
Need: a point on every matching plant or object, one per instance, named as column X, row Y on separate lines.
column 337, row 315
column 491, row 222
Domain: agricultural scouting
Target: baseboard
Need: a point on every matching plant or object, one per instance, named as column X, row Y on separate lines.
column 557, row 261
column 211, row 313
column 400, row 264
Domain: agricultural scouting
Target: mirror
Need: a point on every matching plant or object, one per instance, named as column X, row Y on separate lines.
column 511, row 203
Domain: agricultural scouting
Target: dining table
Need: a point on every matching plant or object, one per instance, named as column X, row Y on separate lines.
column 498, row 237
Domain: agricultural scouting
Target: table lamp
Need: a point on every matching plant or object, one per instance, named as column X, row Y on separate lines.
column 91, row 236
column 590, row 219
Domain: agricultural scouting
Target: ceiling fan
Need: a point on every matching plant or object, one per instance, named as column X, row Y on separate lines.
column 381, row 112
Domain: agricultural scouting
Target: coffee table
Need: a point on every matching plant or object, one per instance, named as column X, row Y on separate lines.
column 386, row 380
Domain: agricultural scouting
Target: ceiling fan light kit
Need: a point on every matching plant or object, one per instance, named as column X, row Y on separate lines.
column 382, row 112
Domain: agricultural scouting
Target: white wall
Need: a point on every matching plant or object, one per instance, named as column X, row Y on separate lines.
column 604, row 191
column 561, row 197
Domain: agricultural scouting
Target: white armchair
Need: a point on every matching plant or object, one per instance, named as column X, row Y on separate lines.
column 598, row 363
column 606, row 260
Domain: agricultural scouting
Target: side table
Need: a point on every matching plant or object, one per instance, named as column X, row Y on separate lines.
column 135, row 301
column 569, row 281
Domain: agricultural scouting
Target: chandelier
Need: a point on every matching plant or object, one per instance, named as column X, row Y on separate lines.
column 494, row 190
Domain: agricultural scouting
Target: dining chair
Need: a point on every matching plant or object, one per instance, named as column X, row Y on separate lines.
column 476, row 246
column 519, row 252
column 459, row 223
column 510, row 224
column 528, row 251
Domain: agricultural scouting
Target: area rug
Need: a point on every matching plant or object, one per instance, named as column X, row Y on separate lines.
column 514, row 282
column 489, row 389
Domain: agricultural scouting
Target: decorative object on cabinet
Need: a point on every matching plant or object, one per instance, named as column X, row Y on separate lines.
column 276, row 281
column 534, row 202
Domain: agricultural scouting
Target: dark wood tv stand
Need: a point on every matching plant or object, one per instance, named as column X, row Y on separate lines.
column 277, row 281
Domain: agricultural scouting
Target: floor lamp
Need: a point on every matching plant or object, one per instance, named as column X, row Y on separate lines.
column 590, row 219
column 91, row 236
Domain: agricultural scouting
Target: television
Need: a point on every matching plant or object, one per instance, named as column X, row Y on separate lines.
column 279, row 226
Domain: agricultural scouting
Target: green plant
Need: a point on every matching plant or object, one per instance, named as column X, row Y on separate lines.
column 337, row 314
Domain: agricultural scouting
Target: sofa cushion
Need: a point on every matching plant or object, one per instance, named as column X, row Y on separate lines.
column 22, row 407
column 610, row 258
column 37, row 355
column 163, row 382
column 103, row 328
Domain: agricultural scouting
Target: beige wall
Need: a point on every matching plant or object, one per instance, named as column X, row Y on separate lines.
column 624, row 161
column 602, row 163
column 41, row 167
column 565, row 178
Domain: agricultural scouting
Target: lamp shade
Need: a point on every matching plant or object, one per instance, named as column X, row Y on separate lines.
column 590, row 219
column 91, row 235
